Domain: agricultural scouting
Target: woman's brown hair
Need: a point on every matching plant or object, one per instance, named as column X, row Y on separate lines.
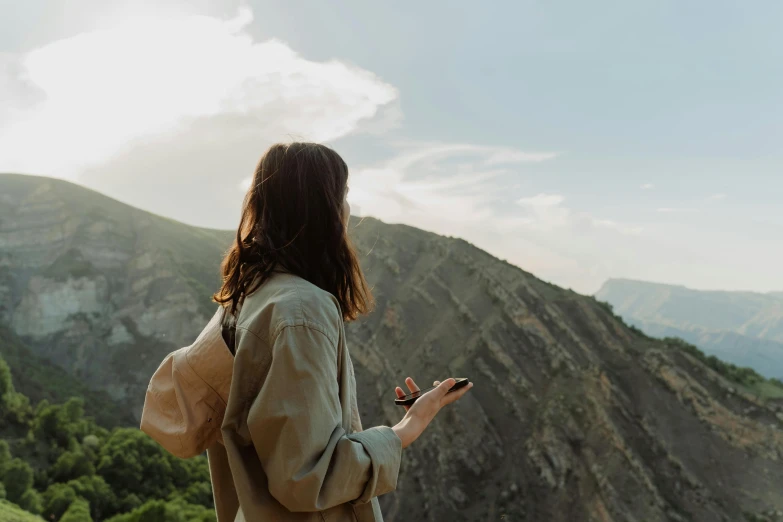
column 292, row 218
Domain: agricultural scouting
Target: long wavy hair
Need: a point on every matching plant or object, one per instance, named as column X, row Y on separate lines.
column 292, row 218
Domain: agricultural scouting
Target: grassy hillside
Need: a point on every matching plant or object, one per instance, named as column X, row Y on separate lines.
column 13, row 513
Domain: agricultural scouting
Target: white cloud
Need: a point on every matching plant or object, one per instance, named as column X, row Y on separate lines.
column 647, row 186
column 675, row 210
column 546, row 212
column 81, row 101
column 717, row 197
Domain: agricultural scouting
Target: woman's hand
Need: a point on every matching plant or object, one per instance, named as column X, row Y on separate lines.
column 420, row 414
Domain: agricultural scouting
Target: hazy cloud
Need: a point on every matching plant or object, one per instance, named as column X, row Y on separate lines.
column 447, row 182
column 676, row 210
column 458, row 190
column 542, row 201
column 544, row 211
column 647, row 186
column 513, row 156
column 547, row 212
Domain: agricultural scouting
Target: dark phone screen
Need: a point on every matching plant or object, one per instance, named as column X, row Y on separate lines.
column 457, row 385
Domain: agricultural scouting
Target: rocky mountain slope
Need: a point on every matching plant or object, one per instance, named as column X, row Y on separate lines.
column 98, row 287
column 744, row 328
column 573, row 417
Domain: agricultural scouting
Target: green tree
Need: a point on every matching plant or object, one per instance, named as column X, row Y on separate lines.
column 132, row 463
column 129, row 503
column 17, row 408
column 172, row 511
column 18, row 478
column 152, row 511
column 89, row 473
column 5, row 456
column 56, row 500
column 199, row 493
column 97, row 492
column 61, row 424
column 71, row 465
column 91, row 443
column 6, row 384
column 14, row 407
column 78, row 512
column 31, row 501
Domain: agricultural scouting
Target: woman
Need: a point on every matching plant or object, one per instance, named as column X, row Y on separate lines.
column 293, row 447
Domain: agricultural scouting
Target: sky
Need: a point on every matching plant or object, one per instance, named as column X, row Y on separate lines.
column 578, row 140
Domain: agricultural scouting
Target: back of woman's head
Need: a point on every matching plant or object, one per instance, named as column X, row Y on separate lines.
column 292, row 218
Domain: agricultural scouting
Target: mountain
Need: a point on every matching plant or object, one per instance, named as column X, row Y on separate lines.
column 574, row 415
column 744, row 328
column 98, row 287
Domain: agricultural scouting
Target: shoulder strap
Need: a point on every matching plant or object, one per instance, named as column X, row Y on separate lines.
column 228, row 327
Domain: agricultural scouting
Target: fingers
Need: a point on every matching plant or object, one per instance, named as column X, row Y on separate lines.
column 400, row 395
column 412, row 386
column 435, row 383
column 455, row 396
column 444, row 387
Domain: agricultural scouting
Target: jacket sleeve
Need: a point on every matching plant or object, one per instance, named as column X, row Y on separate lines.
column 295, row 423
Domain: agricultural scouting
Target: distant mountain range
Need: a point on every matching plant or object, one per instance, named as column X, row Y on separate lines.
column 574, row 416
column 744, row 328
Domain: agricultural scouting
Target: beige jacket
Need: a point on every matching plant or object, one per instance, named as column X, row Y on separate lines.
column 279, row 420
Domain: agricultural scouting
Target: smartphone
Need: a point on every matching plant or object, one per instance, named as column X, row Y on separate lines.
column 411, row 397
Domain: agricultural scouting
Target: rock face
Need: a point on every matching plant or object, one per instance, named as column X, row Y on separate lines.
column 99, row 287
column 573, row 416
column 744, row 328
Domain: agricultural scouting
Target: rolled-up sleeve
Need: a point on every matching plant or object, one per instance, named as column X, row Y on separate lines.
column 295, row 423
